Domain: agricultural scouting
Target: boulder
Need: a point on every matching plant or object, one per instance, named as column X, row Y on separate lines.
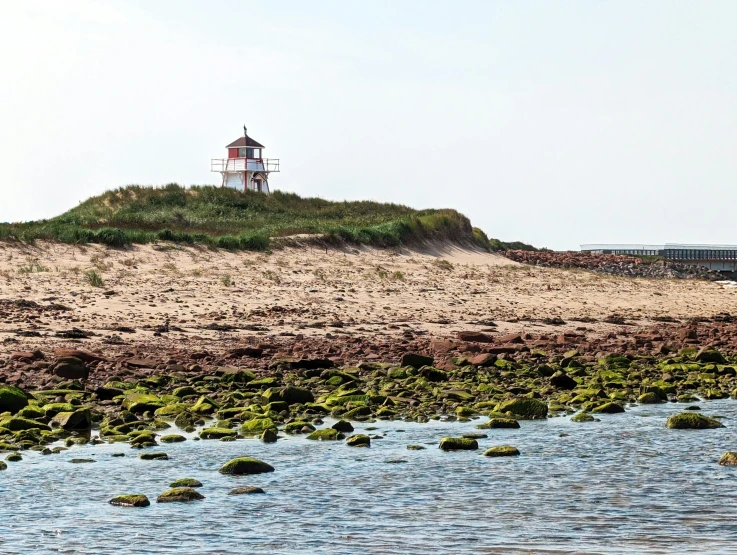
column 246, row 490
column 494, row 423
column 77, row 420
column 475, row 337
column 685, row 421
column 71, row 368
column 153, row 457
column 343, row 426
column 710, row 355
column 608, row 408
column 12, row 399
column 138, row 403
column 523, row 407
column 186, row 483
column 359, row 440
column 217, row 433
column 583, row 417
column 294, row 395
column 326, row 434
column 256, row 426
column 458, row 444
column 175, row 495
column 502, row 451
column 650, row 398
column 245, row 465
column 15, row 424
column 269, row 436
column 483, row 360
column 729, row 459
column 130, row 500
column 173, row 438
column 416, row 361
column 561, row 380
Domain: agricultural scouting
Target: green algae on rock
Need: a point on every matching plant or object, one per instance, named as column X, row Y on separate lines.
column 217, row 433
column 415, row 447
column 498, row 423
column 269, row 436
column 3, row 466
column 523, row 407
column 245, row 465
column 256, row 426
column 649, row 398
column 729, row 459
column 131, row 500
column 502, row 451
column 458, row 444
column 179, row 495
column 246, row 490
column 358, row 440
column 173, row 438
column 153, row 457
column 16, row 423
column 326, row 434
column 186, row 483
column 12, row 399
column 609, row 408
column 692, row 421
column 583, row 417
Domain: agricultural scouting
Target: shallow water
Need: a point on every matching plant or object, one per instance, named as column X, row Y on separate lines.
column 625, row 484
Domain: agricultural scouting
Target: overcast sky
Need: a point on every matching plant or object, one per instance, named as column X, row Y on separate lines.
column 556, row 123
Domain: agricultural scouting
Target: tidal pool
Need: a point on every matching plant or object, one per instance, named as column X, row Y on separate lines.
column 625, row 484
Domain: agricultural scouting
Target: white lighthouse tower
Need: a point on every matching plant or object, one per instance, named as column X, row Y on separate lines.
column 245, row 168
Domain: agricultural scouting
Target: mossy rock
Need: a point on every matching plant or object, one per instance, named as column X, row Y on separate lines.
column 256, row 426
column 142, row 438
column 32, row 412
column 433, row 374
column 173, row 438
column 184, row 420
column 609, row 408
column 172, row 410
column 179, row 495
column 358, row 440
column 3, row 466
column 52, row 409
column 153, row 457
column 12, row 399
column 710, row 355
column 130, row 500
column 524, row 407
column 583, row 417
column 14, row 457
column 245, row 465
column 357, row 413
column 502, row 451
column 14, row 424
column 217, row 433
column 692, row 421
column 186, row 483
column 498, row 423
column 326, row 434
column 204, row 405
column 416, row 447
column 458, row 444
column 729, row 459
column 650, row 398
column 138, row 403
column 246, row 490
column 184, row 391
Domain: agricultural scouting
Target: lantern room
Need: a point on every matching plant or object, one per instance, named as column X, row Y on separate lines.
column 245, row 168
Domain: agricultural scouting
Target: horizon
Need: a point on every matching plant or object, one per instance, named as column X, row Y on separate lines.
column 556, row 126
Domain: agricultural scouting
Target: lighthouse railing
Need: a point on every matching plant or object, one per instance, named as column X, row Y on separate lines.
column 244, row 164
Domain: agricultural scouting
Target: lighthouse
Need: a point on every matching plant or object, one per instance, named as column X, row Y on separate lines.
column 245, row 168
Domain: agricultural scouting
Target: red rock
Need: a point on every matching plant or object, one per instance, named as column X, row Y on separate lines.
column 26, row 355
column 510, row 338
column 484, row 359
column 84, row 356
column 442, row 347
column 475, row 336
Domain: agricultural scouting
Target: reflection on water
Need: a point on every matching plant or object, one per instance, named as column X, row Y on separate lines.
column 625, row 484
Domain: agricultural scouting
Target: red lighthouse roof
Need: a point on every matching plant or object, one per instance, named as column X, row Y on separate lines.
column 245, row 141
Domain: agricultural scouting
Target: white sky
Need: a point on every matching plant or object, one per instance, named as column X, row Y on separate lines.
column 555, row 123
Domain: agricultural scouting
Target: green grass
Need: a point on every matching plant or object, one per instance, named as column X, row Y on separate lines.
column 229, row 219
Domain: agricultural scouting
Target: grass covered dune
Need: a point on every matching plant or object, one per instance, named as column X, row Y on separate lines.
column 231, row 219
